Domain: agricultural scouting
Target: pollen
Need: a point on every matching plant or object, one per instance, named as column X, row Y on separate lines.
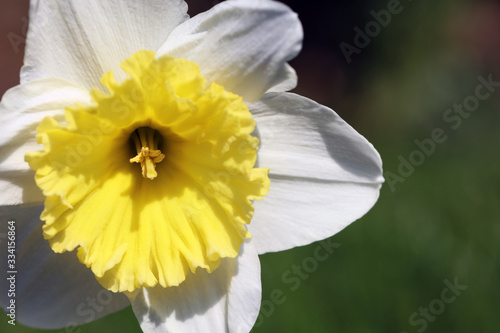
column 148, row 154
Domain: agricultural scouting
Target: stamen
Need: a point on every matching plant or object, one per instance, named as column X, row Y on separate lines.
column 146, row 143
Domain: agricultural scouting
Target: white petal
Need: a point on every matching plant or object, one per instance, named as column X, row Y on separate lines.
column 242, row 45
column 81, row 40
column 245, row 292
column 19, row 186
column 21, row 111
column 324, row 175
column 52, row 290
column 226, row 300
column 285, row 81
column 33, row 5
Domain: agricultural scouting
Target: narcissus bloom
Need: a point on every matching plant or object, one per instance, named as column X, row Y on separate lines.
column 138, row 148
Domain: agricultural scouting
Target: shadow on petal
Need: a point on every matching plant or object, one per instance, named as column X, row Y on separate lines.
column 199, row 304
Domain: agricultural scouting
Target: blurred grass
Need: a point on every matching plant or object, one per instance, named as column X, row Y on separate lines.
column 441, row 223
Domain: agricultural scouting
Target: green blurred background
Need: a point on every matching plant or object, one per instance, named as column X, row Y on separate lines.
column 440, row 223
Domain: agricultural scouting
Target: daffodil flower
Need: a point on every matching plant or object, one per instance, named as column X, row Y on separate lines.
column 142, row 141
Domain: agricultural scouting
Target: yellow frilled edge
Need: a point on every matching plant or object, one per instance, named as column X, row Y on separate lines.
column 133, row 231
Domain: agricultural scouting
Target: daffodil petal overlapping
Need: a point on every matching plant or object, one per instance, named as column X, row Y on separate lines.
column 243, row 45
column 53, row 290
column 89, row 38
column 21, row 111
column 324, row 174
column 227, row 300
column 130, row 230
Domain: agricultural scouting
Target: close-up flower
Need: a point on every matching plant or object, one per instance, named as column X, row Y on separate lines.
column 149, row 158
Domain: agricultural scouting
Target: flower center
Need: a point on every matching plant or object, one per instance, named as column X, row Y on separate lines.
column 192, row 137
column 146, row 141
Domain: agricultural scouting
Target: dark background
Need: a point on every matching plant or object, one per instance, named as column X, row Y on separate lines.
column 438, row 223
